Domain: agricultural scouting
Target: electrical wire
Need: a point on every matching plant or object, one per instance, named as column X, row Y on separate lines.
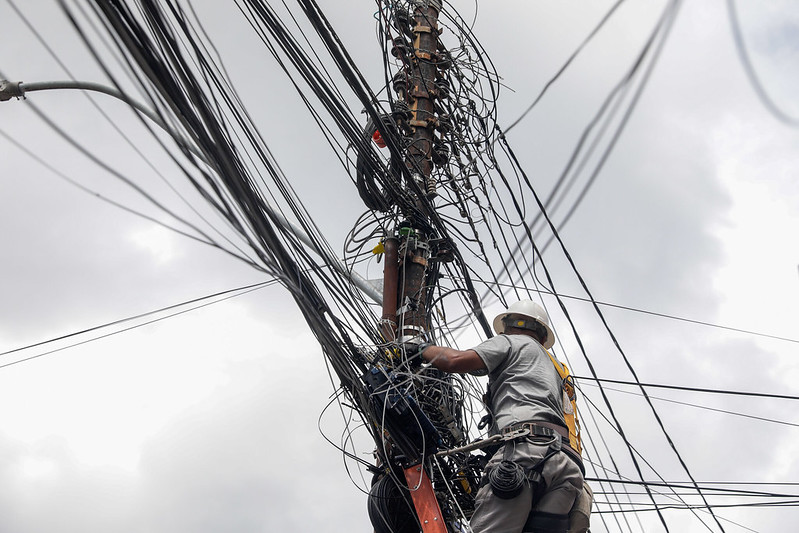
column 239, row 292
column 478, row 214
column 693, row 389
column 749, row 69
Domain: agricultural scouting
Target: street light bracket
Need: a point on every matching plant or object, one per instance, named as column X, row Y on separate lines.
column 10, row 89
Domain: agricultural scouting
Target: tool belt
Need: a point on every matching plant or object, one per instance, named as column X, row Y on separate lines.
column 545, row 429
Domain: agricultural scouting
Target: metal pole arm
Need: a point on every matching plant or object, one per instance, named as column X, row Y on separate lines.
column 17, row 89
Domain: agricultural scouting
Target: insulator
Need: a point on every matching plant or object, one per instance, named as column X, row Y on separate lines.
column 440, row 153
column 444, row 124
column 442, row 87
column 431, row 188
column 400, row 111
column 399, row 48
column 442, row 251
column 444, row 59
column 400, row 83
column 401, row 20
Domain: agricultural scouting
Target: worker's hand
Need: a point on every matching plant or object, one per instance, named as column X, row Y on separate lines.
column 413, row 345
column 413, row 349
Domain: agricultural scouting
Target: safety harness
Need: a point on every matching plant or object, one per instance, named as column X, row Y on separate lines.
column 569, row 405
column 508, row 477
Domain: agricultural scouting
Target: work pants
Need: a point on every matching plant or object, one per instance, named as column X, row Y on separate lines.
column 564, row 482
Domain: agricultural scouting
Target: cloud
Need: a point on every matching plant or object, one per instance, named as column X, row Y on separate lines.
column 232, row 449
column 46, row 489
column 247, row 459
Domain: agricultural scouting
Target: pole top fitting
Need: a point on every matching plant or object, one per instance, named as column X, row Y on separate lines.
column 10, row 89
column 435, row 4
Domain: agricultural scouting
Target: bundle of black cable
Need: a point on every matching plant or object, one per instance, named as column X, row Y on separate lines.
column 390, row 507
column 507, row 480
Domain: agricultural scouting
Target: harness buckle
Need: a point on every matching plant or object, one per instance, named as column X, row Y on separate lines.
column 532, row 430
column 513, row 433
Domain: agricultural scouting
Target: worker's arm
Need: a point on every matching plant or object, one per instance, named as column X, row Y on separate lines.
column 451, row 360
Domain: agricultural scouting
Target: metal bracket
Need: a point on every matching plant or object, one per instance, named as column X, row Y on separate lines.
column 409, row 305
column 10, row 89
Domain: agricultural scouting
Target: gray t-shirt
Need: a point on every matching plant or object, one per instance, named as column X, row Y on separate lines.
column 522, row 381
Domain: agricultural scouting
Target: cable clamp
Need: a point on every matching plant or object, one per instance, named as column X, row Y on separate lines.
column 410, row 327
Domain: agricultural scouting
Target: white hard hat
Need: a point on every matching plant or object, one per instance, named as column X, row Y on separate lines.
column 529, row 309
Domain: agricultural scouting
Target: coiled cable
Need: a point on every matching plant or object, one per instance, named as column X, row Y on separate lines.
column 507, row 479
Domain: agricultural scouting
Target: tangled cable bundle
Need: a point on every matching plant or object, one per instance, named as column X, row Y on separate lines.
column 485, row 223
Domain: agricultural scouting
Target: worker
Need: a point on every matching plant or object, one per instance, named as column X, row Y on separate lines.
column 533, row 482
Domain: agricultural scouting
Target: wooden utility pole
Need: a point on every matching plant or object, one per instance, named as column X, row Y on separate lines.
column 408, row 252
column 419, row 92
column 423, row 70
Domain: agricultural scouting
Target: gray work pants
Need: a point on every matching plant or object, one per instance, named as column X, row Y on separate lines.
column 564, row 482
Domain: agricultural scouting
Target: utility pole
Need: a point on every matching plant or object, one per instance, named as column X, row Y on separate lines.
column 416, row 89
column 407, row 253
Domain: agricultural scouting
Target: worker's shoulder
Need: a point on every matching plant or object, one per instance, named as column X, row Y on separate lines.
column 522, row 342
column 506, row 344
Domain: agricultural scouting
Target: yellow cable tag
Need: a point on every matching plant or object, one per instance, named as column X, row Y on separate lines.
column 379, row 249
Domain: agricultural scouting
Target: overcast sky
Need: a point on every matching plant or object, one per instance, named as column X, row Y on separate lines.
column 208, row 421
